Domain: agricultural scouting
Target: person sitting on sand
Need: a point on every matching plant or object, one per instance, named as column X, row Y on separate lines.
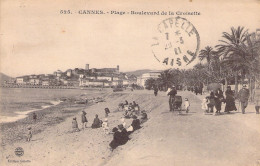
column 120, row 106
column 84, row 120
column 135, row 123
column 144, row 117
column 96, row 123
column 131, row 106
column 106, row 112
column 105, row 126
column 116, row 139
column 75, row 126
column 123, row 134
column 136, row 108
column 123, row 121
column 29, row 136
column 126, row 102
column 134, row 104
column 128, row 114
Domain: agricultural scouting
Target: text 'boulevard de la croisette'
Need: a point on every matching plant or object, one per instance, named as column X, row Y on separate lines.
column 115, row 12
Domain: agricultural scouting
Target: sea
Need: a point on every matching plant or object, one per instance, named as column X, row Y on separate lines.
column 16, row 103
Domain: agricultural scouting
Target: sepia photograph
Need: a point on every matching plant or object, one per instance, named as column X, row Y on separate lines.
column 129, row 83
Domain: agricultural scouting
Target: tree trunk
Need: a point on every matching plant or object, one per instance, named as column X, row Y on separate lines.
column 226, row 84
column 236, row 84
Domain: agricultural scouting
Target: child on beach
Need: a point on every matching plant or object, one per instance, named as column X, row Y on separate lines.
column 34, row 117
column 29, row 136
column 186, row 105
column 204, row 105
column 106, row 112
column 105, row 126
column 84, row 120
column 75, row 125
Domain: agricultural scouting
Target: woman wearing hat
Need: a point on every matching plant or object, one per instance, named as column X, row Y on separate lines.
column 136, row 123
column 230, row 100
column 123, row 135
column 116, row 139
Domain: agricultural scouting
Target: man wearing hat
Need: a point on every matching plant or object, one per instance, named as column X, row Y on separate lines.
column 243, row 95
column 172, row 94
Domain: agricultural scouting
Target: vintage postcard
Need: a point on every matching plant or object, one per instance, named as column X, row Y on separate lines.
column 132, row 83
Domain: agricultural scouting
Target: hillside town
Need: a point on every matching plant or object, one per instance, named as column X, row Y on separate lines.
column 79, row 77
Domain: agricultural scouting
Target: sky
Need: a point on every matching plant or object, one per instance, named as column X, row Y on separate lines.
column 36, row 39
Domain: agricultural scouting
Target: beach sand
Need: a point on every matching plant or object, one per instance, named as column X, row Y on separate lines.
column 165, row 139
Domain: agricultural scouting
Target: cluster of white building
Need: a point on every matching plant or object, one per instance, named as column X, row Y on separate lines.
column 152, row 74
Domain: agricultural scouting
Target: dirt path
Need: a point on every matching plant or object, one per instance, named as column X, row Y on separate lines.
column 193, row 139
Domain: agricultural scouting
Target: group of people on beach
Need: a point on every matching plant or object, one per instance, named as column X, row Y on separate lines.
column 122, row 131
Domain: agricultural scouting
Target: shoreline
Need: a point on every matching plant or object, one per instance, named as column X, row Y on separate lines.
column 23, row 114
column 12, row 132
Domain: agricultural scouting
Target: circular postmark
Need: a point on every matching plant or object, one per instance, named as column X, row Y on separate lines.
column 177, row 43
column 19, row 151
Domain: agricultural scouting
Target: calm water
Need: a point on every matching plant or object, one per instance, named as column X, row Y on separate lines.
column 15, row 100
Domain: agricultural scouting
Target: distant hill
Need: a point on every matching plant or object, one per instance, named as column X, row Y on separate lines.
column 4, row 77
column 138, row 72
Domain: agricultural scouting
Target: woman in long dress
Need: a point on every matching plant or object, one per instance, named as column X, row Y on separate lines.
column 230, row 100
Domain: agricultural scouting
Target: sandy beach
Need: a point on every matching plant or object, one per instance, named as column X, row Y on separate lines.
column 165, row 139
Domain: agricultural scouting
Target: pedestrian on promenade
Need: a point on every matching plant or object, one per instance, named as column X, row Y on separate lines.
column 172, row 94
column 155, row 90
column 230, row 100
column 186, row 105
column 204, row 105
column 243, row 96
column 84, row 120
column 211, row 103
column 219, row 98
column 196, row 90
column 257, row 100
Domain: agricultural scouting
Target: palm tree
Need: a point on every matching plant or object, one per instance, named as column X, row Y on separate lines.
column 233, row 58
column 165, row 78
column 207, row 54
